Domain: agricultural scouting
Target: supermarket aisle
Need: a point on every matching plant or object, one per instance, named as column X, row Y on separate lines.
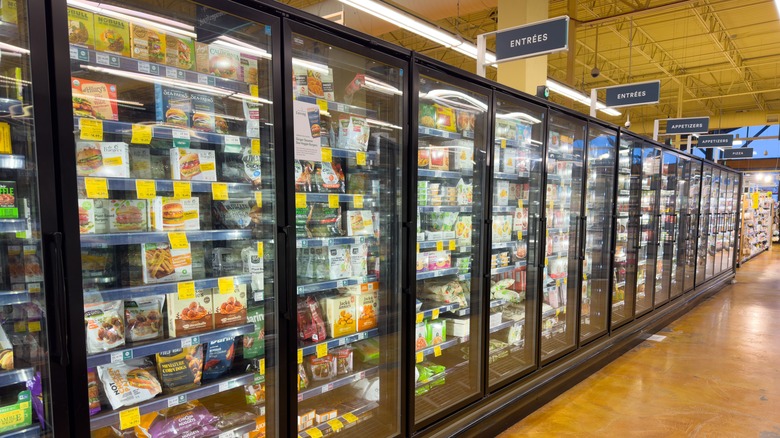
column 717, row 373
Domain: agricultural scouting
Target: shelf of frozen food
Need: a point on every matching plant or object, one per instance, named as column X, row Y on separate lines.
column 238, row 431
column 445, row 244
column 337, row 383
column 158, row 403
column 511, row 176
column 437, row 273
column 309, row 243
column 624, row 192
column 493, row 304
column 333, row 284
column 13, row 162
column 553, row 311
column 506, row 325
column 464, row 277
column 167, row 132
column 505, row 245
column 338, row 342
column 557, row 230
column 504, row 208
column 343, row 420
column 167, row 75
column 32, row 431
column 338, row 106
column 505, row 269
column 446, row 174
column 150, row 348
column 551, row 177
column 444, row 208
column 558, row 254
column 88, row 240
column 12, row 377
column 431, row 351
column 431, row 132
column 326, row 197
column 12, row 225
column 8, row 297
column 563, row 156
column 428, row 313
column 134, row 292
column 163, row 185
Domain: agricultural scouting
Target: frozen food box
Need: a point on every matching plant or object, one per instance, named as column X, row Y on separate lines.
column 172, row 214
column 147, row 44
column 190, row 316
column 300, row 80
column 230, row 308
column 94, row 100
column 173, row 106
column 112, row 35
column 93, row 216
column 254, row 343
column 81, row 27
column 439, row 260
column 248, row 69
column 128, row 215
column 436, row 332
column 358, row 259
column 140, row 162
column 320, row 83
column 458, row 327
column 367, row 309
column 109, row 159
column 8, row 200
column 193, row 164
column 19, row 413
column 501, row 196
column 9, row 13
column 202, row 112
column 236, row 214
column 223, row 62
column 420, row 336
column 201, row 57
column 360, row 223
column 340, row 315
column 162, row 264
column 24, row 264
column 440, row 158
column 179, row 52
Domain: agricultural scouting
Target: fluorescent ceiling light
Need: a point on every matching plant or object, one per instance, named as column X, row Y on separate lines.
column 575, row 95
column 518, row 115
column 136, row 17
column 226, row 41
column 739, row 142
column 322, row 69
column 14, row 49
column 455, row 99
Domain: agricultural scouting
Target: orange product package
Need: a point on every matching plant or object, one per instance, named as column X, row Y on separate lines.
column 190, row 316
column 230, row 308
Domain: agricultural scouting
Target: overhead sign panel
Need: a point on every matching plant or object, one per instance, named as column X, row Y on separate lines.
column 633, row 94
column 716, row 140
column 533, row 39
column 737, row 153
column 691, row 125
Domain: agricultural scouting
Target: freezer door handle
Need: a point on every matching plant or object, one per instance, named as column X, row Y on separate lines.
column 60, row 350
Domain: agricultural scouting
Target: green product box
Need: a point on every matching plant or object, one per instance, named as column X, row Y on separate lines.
column 254, row 343
column 436, row 333
column 8, row 206
column 18, row 414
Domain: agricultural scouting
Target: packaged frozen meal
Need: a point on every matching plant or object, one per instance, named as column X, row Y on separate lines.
column 127, row 215
column 179, row 51
column 181, row 368
column 367, row 308
column 147, row 44
column 329, row 177
column 427, row 117
column 172, row 214
column 172, row 106
column 109, row 159
column 112, row 35
column 320, row 84
column 140, row 162
column 311, row 321
column 193, row 164
column 188, row 316
column 162, row 263
column 319, row 220
column 81, row 27
column 322, row 368
column 236, row 214
column 360, row 223
column 254, row 343
column 230, row 308
column 143, row 318
column 202, row 111
column 219, row 357
column 130, row 382
column 104, row 324
column 340, row 314
column 445, row 118
column 223, row 62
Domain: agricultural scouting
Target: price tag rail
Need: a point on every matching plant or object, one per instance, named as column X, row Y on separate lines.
column 89, row 240
column 429, row 351
column 8, row 297
column 32, row 431
column 333, row 284
column 166, row 185
column 344, row 340
column 134, row 292
column 337, row 383
column 12, row 377
column 327, row 429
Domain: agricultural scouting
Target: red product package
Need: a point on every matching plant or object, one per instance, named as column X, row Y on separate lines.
column 311, row 324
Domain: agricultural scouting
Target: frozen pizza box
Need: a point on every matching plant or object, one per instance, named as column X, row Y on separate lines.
column 172, row 214
column 162, row 264
column 179, row 52
column 189, row 316
column 193, row 164
column 340, row 315
column 230, row 307
column 94, row 100
column 81, row 27
column 147, row 44
column 112, row 35
column 173, row 106
column 108, row 159
column 128, row 215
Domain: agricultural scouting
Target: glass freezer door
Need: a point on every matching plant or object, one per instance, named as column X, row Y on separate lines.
column 723, row 199
column 704, row 224
column 563, row 222
column 681, row 227
column 348, row 139
column 176, row 208
column 648, row 243
column 712, row 233
column 667, row 215
column 452, row 129
column 629, row 185
column 692, row 220
column 599, row 189
column 517, row 173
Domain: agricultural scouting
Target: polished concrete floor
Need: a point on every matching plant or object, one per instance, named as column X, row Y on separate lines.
column 716, row 374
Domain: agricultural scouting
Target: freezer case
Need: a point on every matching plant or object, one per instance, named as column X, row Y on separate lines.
column 692, row 218
column 668, row 227
column 451, row 133
column 173, row 116
column 648, row 264
column 713, row 231
column 625, row 268
column 681, row 227
column 514, row 259
column 563, row 230
column 705, row 217
column 347, row 118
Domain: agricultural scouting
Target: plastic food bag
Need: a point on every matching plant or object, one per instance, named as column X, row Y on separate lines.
column 181, row 368
column 311, row 324
column 128, row 383
column 322, row 368
column 104, row 325
column 344, row 359
column 93, row 391
column 144, row 318
column 219, row 358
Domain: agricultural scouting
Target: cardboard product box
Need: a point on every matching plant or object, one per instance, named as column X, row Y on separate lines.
column 15, row 262
column 202, row 112
column 360, row 223
column 323, row 415
column 201, row 57
column 190, row 316
column 173, row 106
column 94, row 100
column 223, row 62
column 93, row 216
column 81, row 27
column 358, row 259
column 320, row 84
column 420, row 336
column 495, row 319
column 367, row 305
column 17, row 414
column 193, row 164
column 230, row 308
column 501, row 195
column 300, row 80
column 458, row 327
column 436, row 332
column 340, row 315
column 128, row 215
column 9, row 13
column 254, row 343
column 440, row 158
column 31, row 229
column 172, row 214
column 179, row 52
column 462, row 154
column 306, row 419
column 140, row 162
column 248, row 69
column 101, row 158
column 24, row 264
column 112, row 35
column 162, row 264
column 8, row 200
column 147, row 44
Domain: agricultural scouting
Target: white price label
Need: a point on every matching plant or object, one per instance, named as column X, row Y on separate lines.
column 180, row 133
column 232, row 139
column 203, row 79
column 171, row 73
column 224, row 386
column 186, row 342
column 176, row 401
column 74, row 53
column 102, row 58
column 258, row 296
column 144, row 67
column 117, row 357
column 226, row 435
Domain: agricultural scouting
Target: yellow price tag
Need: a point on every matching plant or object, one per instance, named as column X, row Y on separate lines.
column 564, row 280
column 557, row 282
column 519, row 203
column 186, row 290
column 260, row 249
column 436, row 351
column 452, row 245
column 226, row 285
column 323, row 104
column 327, row 155
column 360, row 157
column 91, row 129
column 20, row 326
column 97, row 188
column 262, row 367
column 253, row 90
column 34, row 326
column 142, row 134
column 145, row 189
column 129, row 418
column 182, row 189
column 350, row 417
column 333, row 201
column 219, row 191
column 314, row 432
column 322, row 350
column 503, row 143
column 255, row 149
column 545, row 261
column 358, row 201
column 419, row 357
column 552, row 204
column 418, row 248
column 259, row 199
column 300, row 200
column 435, row 314
column 300, row 356
column 440, row 245
column 178, row 240
column 336, row 424
column 420, row 317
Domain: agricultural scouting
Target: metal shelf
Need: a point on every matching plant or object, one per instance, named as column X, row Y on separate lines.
column 493, row 304
column 308, row 243
column 8, row 297
column 12, row 225
column 327, row 428
column 504, row 245
column 149, row 349
column 445, row 174
column 333, row 284
column 166, row 185
column 338, row 342
column 505, row 269
column 511, row 176
column 336, row 383
column 156, row 404
column 133, row 292
column 431, row 132
column 32, row 431
column 88, row 240
column 13, row 162
column 435, row 274
column 428, row 351
column 12, row 377
column 506, row 325
column 342, row 197
column 447, row 208
column 428, row 313
column 504, row 208
column 166, row 132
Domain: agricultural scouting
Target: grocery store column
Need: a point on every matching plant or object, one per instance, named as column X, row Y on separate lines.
column 525, row 74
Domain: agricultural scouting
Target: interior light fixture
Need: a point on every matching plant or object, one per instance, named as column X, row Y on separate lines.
column 232, row 43
column 15, row 49
column 455, row 99
column 320, row 68
column 518, row 116
column 577, row 96
column 136, row 17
